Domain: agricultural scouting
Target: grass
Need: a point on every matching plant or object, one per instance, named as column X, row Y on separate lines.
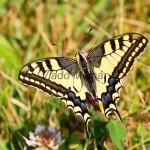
column 27, row 31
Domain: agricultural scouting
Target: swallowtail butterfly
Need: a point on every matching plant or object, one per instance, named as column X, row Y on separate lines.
column 92, row 79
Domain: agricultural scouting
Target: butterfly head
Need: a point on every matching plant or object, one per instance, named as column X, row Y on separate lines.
column 81, row 58
column 82, row 54
column 82, row 62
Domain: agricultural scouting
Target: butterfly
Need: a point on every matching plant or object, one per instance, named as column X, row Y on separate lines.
column 92, row 79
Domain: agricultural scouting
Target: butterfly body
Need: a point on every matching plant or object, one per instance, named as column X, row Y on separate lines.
column 87, row 74
column 92, row 79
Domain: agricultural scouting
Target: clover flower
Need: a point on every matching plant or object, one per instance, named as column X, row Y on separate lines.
column 43, row 139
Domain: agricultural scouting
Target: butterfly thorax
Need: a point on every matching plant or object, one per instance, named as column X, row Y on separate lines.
column 86, row 73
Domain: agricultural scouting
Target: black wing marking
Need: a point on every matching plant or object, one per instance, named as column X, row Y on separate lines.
column 114, row 58
column 122, row 50
column 46, row 74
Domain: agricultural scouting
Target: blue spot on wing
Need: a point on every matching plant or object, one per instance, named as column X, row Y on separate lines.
column 107, row 96
column 71, row 95
column 83, row 107
column 77, row 101
column 112, row 81
column 111, row 89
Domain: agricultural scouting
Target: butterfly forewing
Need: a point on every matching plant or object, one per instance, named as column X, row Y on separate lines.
column 116, row 56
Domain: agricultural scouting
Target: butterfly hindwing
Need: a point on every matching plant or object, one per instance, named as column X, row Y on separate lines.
column 58, row 77
column 113, row 59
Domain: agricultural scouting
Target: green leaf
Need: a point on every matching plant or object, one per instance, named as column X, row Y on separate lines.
column 99, row 130
column 117, row 134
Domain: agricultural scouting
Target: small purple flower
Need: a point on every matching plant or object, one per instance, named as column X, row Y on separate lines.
column 92, row 101
column 83, row 51
column 44, row 139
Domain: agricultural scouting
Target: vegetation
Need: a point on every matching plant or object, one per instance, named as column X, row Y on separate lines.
column 27, row 31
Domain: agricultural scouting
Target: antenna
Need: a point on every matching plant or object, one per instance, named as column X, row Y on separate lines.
column 86, row 36
column 83, row 41
column 65, row 48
